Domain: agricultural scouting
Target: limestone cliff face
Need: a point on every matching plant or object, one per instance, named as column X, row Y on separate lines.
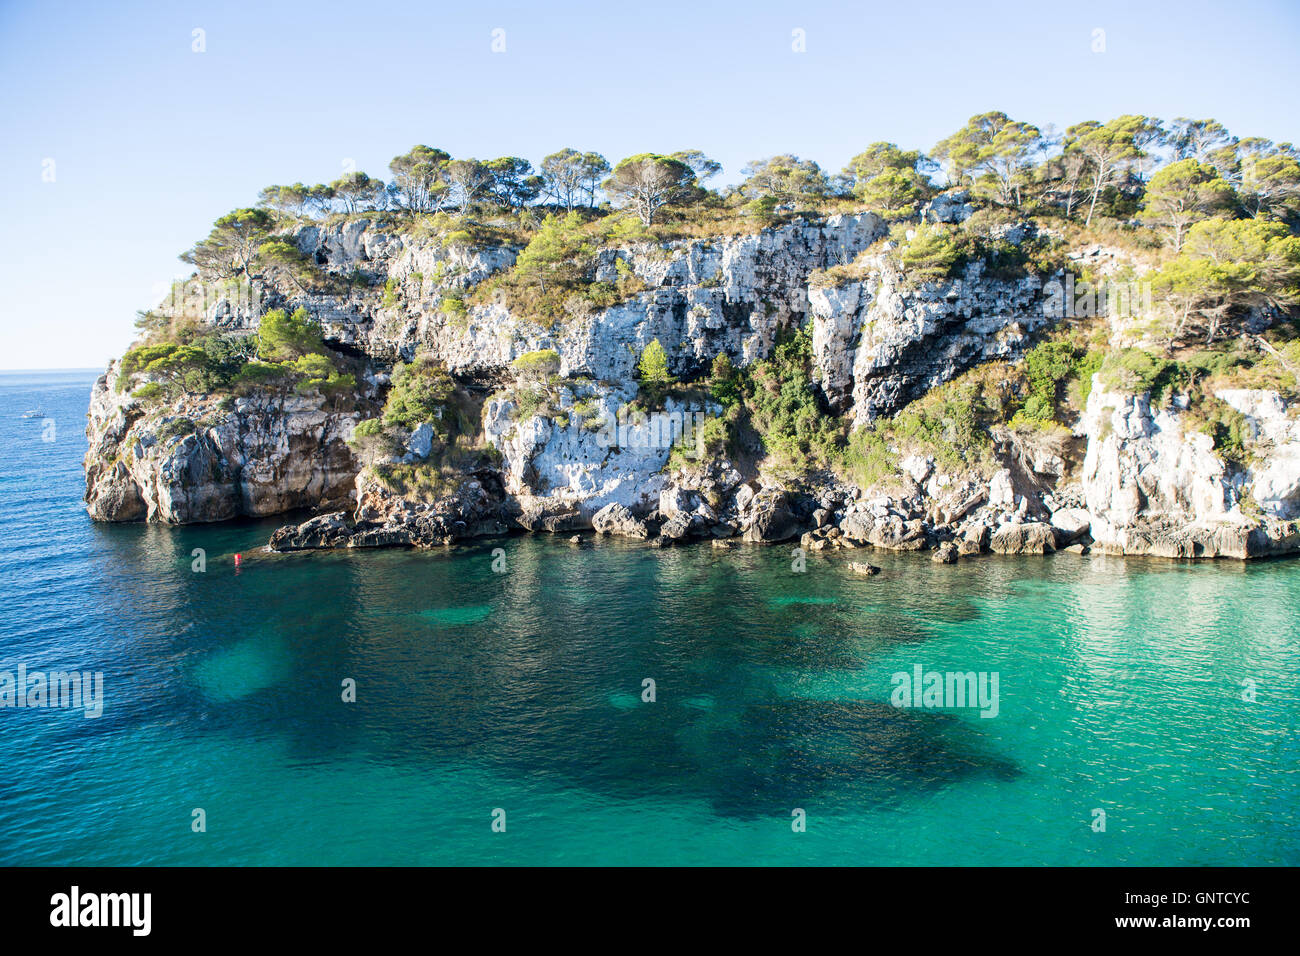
column 1134, row 479
column 1155, row 484
column 201, row 460
column 731, row 294
column 882, row 342
column 703, row 297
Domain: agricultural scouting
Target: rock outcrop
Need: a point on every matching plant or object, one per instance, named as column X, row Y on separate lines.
column 1133, row 479
column 883, row 341
column 1154, row 484
column 205, row 460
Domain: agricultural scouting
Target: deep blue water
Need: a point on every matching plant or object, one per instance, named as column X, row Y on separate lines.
column 1120, row 689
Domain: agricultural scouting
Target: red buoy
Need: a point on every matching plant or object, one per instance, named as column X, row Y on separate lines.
column 237, row 560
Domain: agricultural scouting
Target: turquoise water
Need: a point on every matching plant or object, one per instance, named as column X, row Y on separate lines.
column 1120, row 689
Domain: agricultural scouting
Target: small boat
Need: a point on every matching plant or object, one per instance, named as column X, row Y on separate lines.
column 34, row 413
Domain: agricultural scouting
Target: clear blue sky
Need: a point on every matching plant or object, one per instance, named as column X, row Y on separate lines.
column 152, row 141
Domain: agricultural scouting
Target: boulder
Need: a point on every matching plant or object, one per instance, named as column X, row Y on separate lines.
column 674, row 500
column 323, row 531
column 890, row 532
column 615, row 519
column 420, row 443
column 1028, row 537
column 1073, row 523
column 675, row 528
column 771, row 519
column 946, row 553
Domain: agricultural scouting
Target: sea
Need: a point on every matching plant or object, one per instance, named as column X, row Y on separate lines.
column 524, row 700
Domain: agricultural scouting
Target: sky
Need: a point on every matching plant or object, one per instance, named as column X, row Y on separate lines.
column 124, row 132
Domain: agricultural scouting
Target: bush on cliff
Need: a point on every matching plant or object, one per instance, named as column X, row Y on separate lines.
column 951, row 424
column 785, row 410
column 537, row 366
column 371, row 441
column 284, row 337
column 936, row 252
column 652, row 372
column 422, row 391
column 1052, row 369
column 725, row 381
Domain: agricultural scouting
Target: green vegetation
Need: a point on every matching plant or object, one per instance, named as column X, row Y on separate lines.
column 287, row 352
column 937, row 252
column 725, row 382
column 554, row 276
column 783, row 182
column 174, row 428
column 422, row 391
column 1051, row 368
column 647, row 182
column 1225, row 268
column 1227, row 427
column 652, row 372
column 1182, row 194
column 537, row 366
column 783, row 408
column 992, row 153
column 889, row 180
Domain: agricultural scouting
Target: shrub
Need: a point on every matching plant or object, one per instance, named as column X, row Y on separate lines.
column 1227, row 427
column 421, row 392
column 652, row 371
column 453, row 306
column 1137, row 371
column 285, row 337
column 785, row 410
column 1050, row 367
column 725, row 381
column 372, row 440
column 539, row 365
column 529, row 400
column 868, row 459
column 937, row 252
column 174, row 428
column 258, row 375
column 150, row 392
column 392, row 297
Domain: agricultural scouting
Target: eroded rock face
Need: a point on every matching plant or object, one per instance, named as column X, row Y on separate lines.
column 730, row 294
column 588, row 462
column 617, row 520
column 1030, row 537
column 1274, row 476
column 1141, row 459
column 1155, row 485
column 1148, row 483
column 203, row 460
column 882, row 342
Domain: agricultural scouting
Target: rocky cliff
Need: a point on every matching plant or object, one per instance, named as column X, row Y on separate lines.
column 204, row 459
column 1135, row 477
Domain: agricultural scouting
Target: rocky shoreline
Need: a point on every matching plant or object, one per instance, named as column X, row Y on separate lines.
column 1133, row 476
column 832, row 518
